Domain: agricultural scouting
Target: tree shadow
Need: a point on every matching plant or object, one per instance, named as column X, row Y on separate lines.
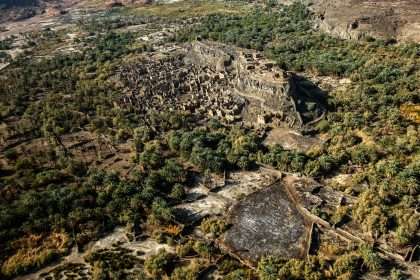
column 311, row 101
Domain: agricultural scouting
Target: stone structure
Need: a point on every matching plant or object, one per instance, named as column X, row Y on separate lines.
column 213, row 80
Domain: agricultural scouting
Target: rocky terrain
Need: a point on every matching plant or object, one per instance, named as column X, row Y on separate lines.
column 349, row 19
column 355, row 19
column 258, row 231
column 25, row 9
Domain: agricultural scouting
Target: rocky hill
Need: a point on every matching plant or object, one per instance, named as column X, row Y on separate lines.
column 388, row 19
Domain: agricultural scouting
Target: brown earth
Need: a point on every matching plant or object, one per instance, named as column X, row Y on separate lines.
column 354, row 19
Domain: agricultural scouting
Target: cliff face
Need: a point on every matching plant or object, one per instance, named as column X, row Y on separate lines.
column 353, row 19
column 269, row 90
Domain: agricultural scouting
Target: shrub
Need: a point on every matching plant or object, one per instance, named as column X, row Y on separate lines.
column 268, row 268
column 162, row 211
column 24, row 163
column 204, row 249
column 227, row 266
column 186, row 249
column 339, row 215
column 172, row 172
column 238, row 274
column 363, row 155
column 11, row 154
column 396, row 274
column 190, row 272
column 178, row 192
column 346, row 266
column 23, row 263
column 160, row 264
column 370, row 259
column 34, row 257
column 213, row 226
column 47, row 177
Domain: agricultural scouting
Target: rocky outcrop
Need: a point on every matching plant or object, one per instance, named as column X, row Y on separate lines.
column 289, row 139
column 354, row 19
column 266, row 223
column 271, row 89
column 217, row 57
column 272, row 94
column 54, row 11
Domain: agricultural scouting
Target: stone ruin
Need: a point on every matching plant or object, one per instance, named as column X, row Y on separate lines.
column 212, row 80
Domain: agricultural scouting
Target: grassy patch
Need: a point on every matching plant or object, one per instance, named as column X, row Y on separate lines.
column 34, row 252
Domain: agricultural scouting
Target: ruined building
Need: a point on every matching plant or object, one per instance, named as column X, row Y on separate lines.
column 213, row 80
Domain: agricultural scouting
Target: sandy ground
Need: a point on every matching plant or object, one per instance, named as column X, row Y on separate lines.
column 216, row 200
column 291, row 140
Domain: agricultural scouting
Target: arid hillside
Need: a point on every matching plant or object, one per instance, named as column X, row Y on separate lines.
column 349, row 19
column 353, row 19
column 11, row 10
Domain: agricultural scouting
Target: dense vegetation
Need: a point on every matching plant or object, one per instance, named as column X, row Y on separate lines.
column 368, row 134
column 48, row 191
column 49, row 194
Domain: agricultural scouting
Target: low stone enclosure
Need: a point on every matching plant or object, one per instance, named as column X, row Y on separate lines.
column 212, row 80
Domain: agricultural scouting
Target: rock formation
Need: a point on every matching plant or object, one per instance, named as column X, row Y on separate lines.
column 266, row 223
column 353, row 19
